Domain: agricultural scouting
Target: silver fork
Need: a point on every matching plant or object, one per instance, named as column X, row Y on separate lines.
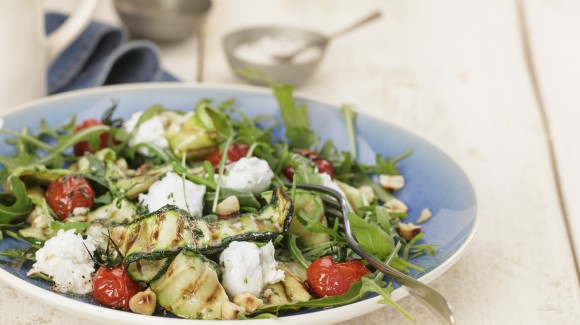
column 336, row 205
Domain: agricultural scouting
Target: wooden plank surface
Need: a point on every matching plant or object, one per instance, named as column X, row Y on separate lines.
column 452, row 72
column 554, row 29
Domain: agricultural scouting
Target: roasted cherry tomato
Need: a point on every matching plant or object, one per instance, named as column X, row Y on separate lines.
column 324, row 166
column 68, row 192
column 113, row 287
column 329, row 278
column 235, row 153
column 84, row 146
column 288, row 171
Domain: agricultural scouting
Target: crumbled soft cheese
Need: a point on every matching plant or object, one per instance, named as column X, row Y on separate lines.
column 152, row 132
column 268, row 264
column 66, row 261
column 172, row 189
column 263, row 50
column 327, row 182
column 99, row 234
column 248, row 268
column 253, row 174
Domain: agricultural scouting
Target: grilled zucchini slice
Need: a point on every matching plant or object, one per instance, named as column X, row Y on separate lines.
column 120, row 211
column 190, row 287
column 311, row 205
column 165, row 232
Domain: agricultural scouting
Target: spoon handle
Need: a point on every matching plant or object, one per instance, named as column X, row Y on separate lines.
column 370, row 17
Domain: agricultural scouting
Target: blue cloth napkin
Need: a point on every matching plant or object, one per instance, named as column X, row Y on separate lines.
column 101, row 55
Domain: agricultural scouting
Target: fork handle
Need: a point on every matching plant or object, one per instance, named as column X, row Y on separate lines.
column 425, row 294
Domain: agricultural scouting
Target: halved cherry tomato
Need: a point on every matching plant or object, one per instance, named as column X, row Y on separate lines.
column 68, row 192
column 113, row 287
column 84, row 146
column 329, row 278
column 235, row 152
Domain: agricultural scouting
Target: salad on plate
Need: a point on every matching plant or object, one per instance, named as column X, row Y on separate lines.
column 190, row 212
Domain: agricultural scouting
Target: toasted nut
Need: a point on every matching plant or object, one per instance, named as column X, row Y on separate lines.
column 122, row 164
column 392, row 182
column 227, row 206
column 267, row 293
column 118, row 235
column 408, row 230
column 396, row 206
column 425, row 215
column 36, row 218
column 143, row 302
column 230, row 310
column 250, row 302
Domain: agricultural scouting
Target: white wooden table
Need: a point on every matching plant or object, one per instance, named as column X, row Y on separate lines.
column 455, row 73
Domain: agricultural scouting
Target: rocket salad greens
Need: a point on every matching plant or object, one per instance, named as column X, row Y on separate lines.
column 188, row 212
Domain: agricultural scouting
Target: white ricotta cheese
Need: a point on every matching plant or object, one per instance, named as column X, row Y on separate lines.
column 248, row 268
column 66, row 261
column 327, row 181
column 151, row 132
column 253, row 174
column 172, row 189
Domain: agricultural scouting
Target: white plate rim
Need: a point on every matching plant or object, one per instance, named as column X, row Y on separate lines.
column 93, row 312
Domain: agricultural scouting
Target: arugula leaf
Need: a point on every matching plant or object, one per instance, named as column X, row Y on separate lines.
column 21, row 254
column 221, row 171
column 295, row 119
column 147, row 115
column 412, row 249
column 388, row 165
column 104, row 199
column 315, row 225
column 16, row 206
column 29, row 139
column 78, row 226
column 371, row 238
column 348, row 114
column 370, row 285
column 53, row 132
column 55, row 157
column 156, row 155
column 107, row 117
column 97, row 170
column 296, row 252
column 380, row 215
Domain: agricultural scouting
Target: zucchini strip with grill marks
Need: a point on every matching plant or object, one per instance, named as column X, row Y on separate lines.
column 164, row 233
column 190, row 288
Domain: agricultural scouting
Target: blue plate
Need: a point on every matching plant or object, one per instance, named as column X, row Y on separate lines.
column 433, row 181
